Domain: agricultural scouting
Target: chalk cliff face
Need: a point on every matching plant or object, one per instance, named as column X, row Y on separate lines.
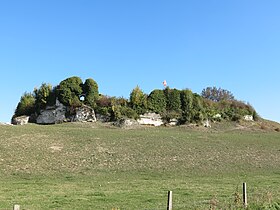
column 57, row 114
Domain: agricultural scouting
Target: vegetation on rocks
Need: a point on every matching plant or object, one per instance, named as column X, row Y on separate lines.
column 183, row 105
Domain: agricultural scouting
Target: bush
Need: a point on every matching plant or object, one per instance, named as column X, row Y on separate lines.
column 173, row 100
column 44, row 96
column 187, row 105
column 90, row 89
column 157, row 101
column 138, row 100
column 26, row 105
column 69, row 91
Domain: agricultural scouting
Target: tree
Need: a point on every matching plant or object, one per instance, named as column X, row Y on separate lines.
column 26, row 105
column 173, row 101
column 138, row 100
column 215, row 94
column 157, row 101
column 43, row 96
column 187, row 105
column 90, row 89
column 69, row 91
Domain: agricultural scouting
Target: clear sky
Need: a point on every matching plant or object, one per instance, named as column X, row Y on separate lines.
column 232, row 44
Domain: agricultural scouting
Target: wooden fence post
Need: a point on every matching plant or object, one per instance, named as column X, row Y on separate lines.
column 169, row 201
column 16, row 207
column 245, row 202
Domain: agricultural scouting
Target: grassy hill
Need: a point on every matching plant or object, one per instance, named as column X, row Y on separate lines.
column 97, row 166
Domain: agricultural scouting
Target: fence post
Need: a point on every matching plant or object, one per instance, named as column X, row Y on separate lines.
column 245, row 202
column 16, row 207
column 169, row 201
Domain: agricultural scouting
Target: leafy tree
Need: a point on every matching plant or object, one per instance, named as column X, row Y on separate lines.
column 90, row 89
column 69, row 91
column 157, row 101
column 138, row 100
column 187, row 105
column 198, row 112
column 26, row 105
column 173, row 100
column 217, row 94
column 44, row 96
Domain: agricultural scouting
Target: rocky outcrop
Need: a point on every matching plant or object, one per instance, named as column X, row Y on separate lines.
column 126, row 123
column 150, row 119
column 84, row 114
column 21, row 120
column 248, row 118
column 52, row 114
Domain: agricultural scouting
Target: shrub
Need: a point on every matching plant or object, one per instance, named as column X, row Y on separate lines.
column 26, row 105
column 173, row 100
column 187, row 105
column 44, row 96
column 90, row 89
column 69, row 91
column 157, row 101
column 138, row 100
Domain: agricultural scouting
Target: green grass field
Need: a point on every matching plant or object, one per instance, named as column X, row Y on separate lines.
column 97, row 166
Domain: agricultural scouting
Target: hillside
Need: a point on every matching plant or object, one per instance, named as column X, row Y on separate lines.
column 99, row 166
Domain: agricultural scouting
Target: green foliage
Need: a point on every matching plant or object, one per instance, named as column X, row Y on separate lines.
column 90, row 89
column 138, row 100
column 217, row 94
column 44, row 96
column 26, row 105
column 69, row 91
column 157, row 101
column 198, row 112
column 187, row 105
column 173, row 100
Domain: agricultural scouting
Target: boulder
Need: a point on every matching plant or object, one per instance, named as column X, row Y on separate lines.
column 52, row 114
column 21, row 120
column 150, row 119
column 173, row 122
column 126, row 123
column 84, row 114
column 248, row 118
column 206, row 124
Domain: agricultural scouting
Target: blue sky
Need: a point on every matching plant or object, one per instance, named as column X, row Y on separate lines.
column 233, row 44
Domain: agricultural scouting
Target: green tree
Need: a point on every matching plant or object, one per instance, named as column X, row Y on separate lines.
column 187, row 105
column 90, row 89
column 198, row 113
column 26, row 105
column 43, row 96
column 173, row 100
column 217, row 94
column 69, row 91
column 157, row 101
column 138, row 100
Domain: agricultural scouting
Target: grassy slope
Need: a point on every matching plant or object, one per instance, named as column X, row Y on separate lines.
column 93, row 166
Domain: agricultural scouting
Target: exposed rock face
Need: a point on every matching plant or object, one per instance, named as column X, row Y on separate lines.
column 248, row 118
column 207, row 124
column 84, row 114
column 173, row 122
column 126, row 123
column 52, row 114
column 150, row 119
column 21, row 120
